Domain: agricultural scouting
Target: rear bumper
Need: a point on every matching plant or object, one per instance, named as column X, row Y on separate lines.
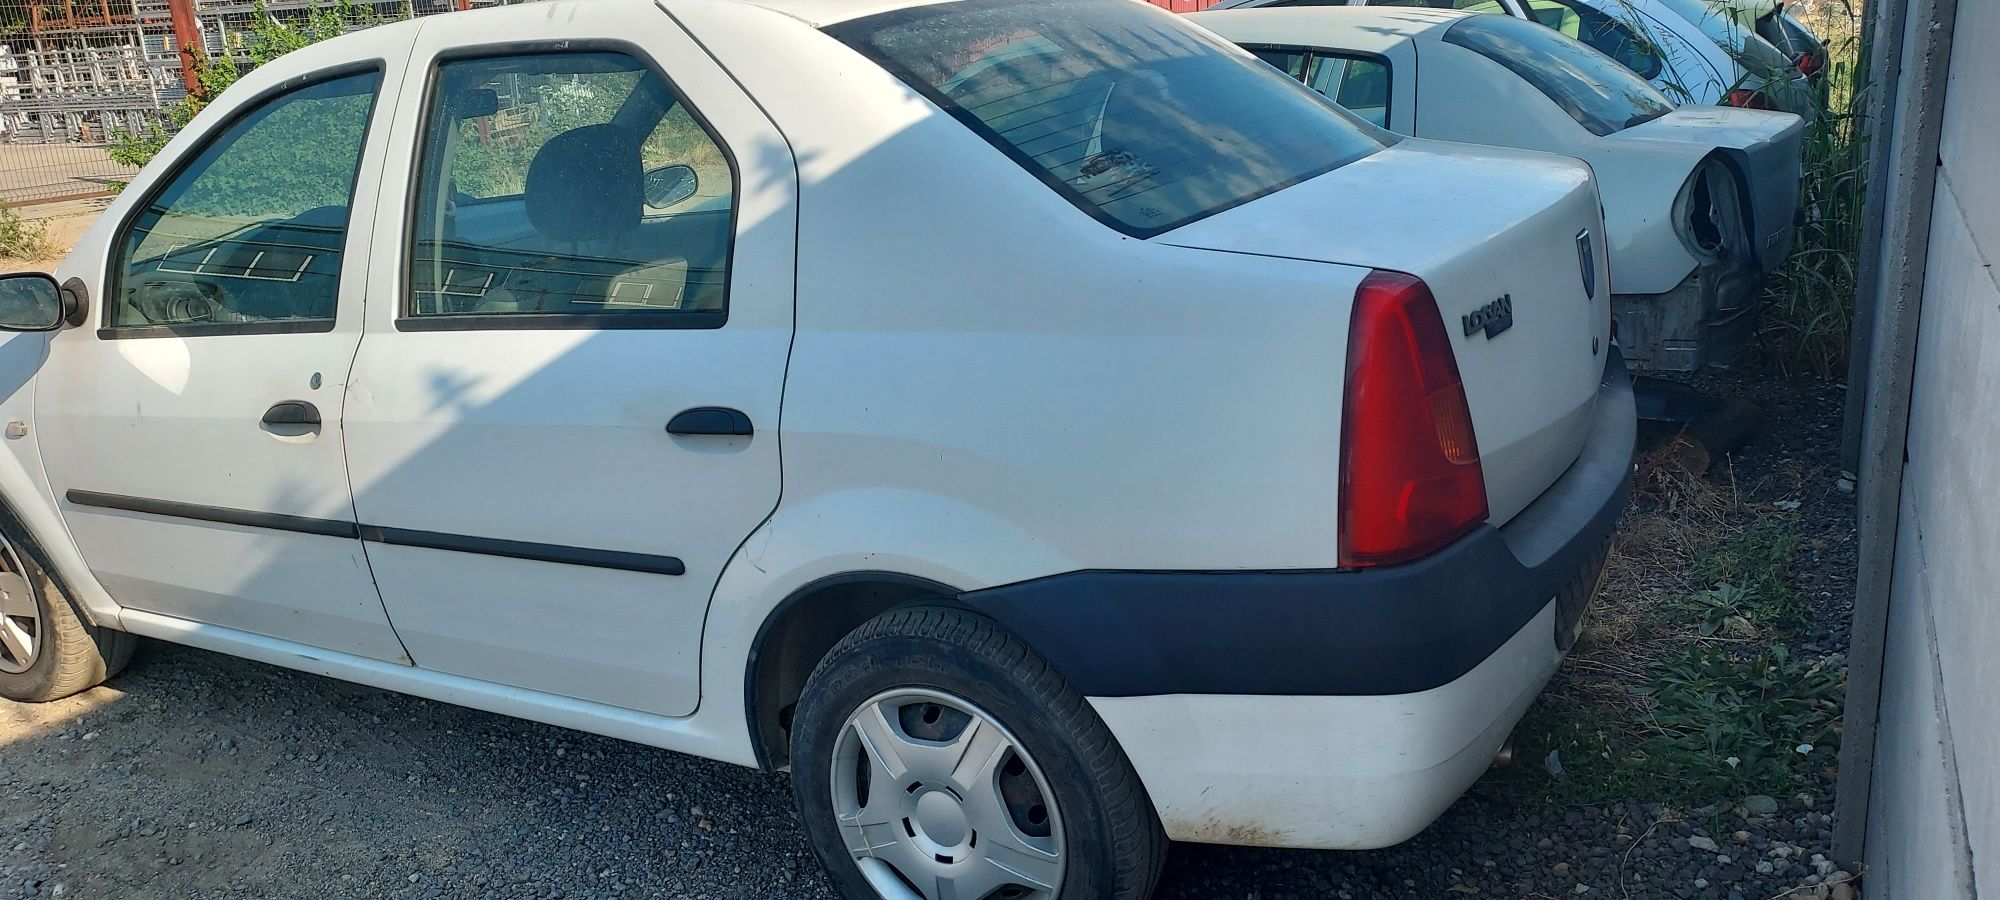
column 1706, row 319
column 1330, row 773
column 1395, row 630
column 1333, row 709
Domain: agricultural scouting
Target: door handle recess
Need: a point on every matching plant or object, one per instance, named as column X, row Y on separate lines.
column 710, row 420
column 292, row 412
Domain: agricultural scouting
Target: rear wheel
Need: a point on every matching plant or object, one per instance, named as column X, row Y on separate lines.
column 47, row 651
column 936, row 757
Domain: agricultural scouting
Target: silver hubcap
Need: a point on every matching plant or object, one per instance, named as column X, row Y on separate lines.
column 20, row 618
column 937, row 801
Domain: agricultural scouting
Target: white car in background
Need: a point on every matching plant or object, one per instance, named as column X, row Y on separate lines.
column 1773, row 22
column 1165, row 453
column 1646, row 36
column 1699, row 201
column 1767, row 77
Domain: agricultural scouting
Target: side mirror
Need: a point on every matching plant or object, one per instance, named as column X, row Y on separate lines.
column 668, row 185
column 31, row 301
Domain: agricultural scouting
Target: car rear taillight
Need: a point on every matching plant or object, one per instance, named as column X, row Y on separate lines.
column 1410, row 480
column 1746, row 99
column 1809, row 65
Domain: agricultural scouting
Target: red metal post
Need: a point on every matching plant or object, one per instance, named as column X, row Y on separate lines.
column 187, row 40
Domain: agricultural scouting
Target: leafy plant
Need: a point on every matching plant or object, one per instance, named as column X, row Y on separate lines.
column 1707, row 724
column 21, row 238
column 1752, row 574
column 1722, row 610
column 1727, row 726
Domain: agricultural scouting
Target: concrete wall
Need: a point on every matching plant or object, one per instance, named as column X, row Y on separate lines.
column 1934, row 817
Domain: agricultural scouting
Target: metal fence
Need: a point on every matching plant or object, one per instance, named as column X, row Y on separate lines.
column 75, row 73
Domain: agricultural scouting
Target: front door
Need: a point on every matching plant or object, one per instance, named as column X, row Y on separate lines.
column 193, row 437
column 563, row 422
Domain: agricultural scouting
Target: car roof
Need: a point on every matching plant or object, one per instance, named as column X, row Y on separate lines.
column 821, row 13
column 1368, row 29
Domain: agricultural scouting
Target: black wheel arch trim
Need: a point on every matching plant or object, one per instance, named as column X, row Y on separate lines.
column 17, row 531
column 924, row 590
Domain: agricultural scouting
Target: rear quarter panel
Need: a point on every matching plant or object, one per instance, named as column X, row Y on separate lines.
column 988, row 386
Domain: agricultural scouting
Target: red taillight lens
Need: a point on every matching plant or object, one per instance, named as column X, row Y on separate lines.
column 1410, row 480
column 1809, row 65
column 1743, row 99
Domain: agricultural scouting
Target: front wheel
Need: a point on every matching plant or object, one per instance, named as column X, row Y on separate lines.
column 936, row 757
column 47, row 651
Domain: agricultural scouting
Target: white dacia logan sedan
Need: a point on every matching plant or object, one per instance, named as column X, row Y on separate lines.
column 1043, row 428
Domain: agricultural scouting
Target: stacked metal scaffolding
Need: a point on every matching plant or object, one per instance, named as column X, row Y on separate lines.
column 75, row 72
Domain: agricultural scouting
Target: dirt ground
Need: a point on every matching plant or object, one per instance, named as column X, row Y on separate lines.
column 65, row 222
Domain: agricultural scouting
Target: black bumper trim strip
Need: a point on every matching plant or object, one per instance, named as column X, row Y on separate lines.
column 399, row 537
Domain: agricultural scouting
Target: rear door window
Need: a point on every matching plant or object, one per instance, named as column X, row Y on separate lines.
column 1592, row 88
column 1141, row 121
column 1360, row 84
column 567, row 190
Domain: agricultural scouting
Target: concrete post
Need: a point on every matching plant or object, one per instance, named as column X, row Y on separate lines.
column 1902, row 187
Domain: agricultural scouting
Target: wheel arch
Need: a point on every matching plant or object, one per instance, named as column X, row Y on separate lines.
column 799, row 632
column 15, row 531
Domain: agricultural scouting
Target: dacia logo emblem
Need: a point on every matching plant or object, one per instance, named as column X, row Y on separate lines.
column 1492, row 318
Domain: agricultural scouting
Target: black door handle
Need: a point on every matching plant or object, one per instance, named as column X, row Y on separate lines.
column 710, row 420
column 292, row 412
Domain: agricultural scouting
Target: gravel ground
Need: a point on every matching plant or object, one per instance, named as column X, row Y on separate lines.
column 197, row 775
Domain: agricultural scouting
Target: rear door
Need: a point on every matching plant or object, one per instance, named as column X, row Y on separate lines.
column 565, row 410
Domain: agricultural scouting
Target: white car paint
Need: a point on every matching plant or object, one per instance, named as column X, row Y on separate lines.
column 1445, row 91
column 1254, row 770
column 1693, row 67
column 1016, row 405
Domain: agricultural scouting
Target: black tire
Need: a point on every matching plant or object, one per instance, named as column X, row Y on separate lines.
column 1112, row 840
column 73, row 655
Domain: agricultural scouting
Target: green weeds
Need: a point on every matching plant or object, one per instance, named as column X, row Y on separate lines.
column 1703, row 700
column 1810, row 307
column 23, row 238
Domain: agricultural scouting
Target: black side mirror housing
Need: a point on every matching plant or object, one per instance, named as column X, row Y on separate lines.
column 76, row 301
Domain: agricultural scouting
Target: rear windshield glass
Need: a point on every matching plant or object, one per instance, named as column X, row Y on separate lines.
column 1137, row 118
column 1594, row 89
column 1751, row 52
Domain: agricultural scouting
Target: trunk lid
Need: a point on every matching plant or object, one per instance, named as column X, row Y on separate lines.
column 1500, row 237
column 1764, row 147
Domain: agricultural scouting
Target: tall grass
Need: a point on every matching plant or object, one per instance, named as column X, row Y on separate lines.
column 1811, row 306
